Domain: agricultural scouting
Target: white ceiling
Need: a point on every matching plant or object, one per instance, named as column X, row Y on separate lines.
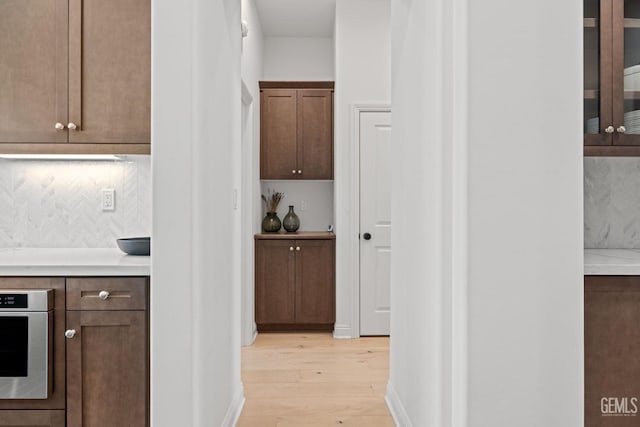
column 296, row 18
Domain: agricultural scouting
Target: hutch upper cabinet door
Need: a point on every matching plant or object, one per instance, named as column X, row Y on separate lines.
column 315, row 134
column 296, row 130
column 612, row 77
column 33, row 71
column 109, row 71
column 278, row 134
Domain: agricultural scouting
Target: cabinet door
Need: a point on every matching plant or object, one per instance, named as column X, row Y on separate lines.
column 275, row 281
column 107, row 369
column 597, row 72
column 33, row 71
column 611, row 347
column 110, row 71
column 315, row 134
column 626, row 71
column 278, row 134
column 315, row 281
column 27, row 418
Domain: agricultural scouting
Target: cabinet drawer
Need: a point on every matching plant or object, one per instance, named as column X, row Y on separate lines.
column 22, row 418
column 104, row 293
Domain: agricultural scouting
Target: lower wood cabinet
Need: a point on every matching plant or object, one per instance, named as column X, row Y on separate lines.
column 107, row 353
column 295, row 283
column 612, row 351
column 100, row 358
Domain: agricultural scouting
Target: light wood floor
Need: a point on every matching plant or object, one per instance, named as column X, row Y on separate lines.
column 314, row 380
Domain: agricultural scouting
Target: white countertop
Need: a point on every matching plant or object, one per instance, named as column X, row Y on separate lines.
column 71, row 262
column 615, row 262
column 112, row 262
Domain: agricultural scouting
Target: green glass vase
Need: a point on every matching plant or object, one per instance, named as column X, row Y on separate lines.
column 291, row 222
column 271, row 223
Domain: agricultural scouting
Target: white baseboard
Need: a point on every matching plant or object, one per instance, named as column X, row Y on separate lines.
column 399, row 414
column 235, row 409
column 255, row 333
column 343, row 332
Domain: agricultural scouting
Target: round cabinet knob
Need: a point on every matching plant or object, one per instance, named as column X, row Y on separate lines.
column 72, row 126
column 609, row 129
column 293, row 171
column 297, row 248
column 366, row 236
column 291, row 248
column 70, row 333
column 59, row 126
column 621, row 129
column 299, row 171
column 103, row 295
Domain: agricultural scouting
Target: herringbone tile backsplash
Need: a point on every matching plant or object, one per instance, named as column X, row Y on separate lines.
column 612, row 202
column 57, row 204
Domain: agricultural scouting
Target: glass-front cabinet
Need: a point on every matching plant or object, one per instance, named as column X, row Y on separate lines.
column 612, row 77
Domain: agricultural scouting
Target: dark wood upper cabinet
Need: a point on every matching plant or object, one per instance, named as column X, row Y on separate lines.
column 33, row 71
column 611, row 77
column 278, row 134
column 75, row 76
column 611, row 349
column 295, row 282
column 110, row 71
column 296, row 130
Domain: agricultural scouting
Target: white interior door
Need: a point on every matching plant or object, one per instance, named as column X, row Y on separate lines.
column 375, row 222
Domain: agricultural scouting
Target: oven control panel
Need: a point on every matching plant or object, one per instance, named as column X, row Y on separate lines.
column 13, row 301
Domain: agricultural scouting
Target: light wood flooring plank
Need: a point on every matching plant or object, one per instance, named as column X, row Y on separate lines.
column 314, row 380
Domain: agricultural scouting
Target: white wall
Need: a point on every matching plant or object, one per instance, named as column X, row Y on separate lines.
column 487, row 263
column 298, row 58
column 249, row 196
column 526, row 191
column 363, row 66
column 195, row 307
column 312, row 201
column 57, row 204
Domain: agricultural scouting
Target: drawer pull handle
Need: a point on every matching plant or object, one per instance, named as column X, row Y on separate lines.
column 103, row 295
column 291, row 248
column 70, row 333
column 297, row 248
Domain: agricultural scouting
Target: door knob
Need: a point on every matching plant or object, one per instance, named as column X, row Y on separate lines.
column 70, row 333
column 291, row 248
column 72, row 126
column 297, row 248
column 293, row 171
column 103, row 295
column 59, row 126
column 299, row 171
column 366, row 236
column 621, row 129
column 609, row 129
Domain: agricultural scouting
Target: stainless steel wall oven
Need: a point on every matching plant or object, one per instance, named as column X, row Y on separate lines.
column 26, row 343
